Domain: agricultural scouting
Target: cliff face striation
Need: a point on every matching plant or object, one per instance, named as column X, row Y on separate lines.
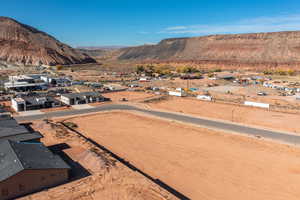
column 278, row 48
column 24, row 45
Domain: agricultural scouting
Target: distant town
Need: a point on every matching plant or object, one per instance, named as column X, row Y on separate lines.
column 149, row 100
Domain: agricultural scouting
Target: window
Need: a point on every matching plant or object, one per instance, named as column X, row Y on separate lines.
column 4, row 192
column 21, row 187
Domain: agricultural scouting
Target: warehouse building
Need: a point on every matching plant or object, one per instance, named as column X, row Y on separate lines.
column 26, row 168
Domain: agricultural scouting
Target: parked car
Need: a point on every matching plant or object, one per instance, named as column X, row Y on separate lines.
column 262, row 94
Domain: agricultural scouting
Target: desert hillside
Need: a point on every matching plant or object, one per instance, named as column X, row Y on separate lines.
column 24, row 45
column 273, row 49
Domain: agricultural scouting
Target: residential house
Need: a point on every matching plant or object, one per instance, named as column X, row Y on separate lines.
column 27, row 168
column 11, row 130
column 34, row 103
column 82, row 98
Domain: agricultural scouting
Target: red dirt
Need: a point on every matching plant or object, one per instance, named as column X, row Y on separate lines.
column 199, row 163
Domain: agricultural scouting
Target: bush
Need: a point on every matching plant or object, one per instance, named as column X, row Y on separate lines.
column 140, row 69
column 291, row 72
column 268, row 72
column 210, row 75
column 59, row 67
column 71, row 125
column 215, row 70
column 280, row 72
column 187, row 69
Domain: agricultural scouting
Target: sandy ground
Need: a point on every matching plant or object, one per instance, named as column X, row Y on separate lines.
column 239, row 114
column 199, row 163
column 129, row 95
column 108, row 180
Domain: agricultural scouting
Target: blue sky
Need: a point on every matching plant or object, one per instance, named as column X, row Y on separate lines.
column 136, row 22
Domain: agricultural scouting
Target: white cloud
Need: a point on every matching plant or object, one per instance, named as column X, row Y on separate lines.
column 260, row 24
column 174, row 28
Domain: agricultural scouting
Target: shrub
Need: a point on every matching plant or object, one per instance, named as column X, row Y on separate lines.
column 59, row 67
column 187, row 69
column 140, row 69
column 71, row 125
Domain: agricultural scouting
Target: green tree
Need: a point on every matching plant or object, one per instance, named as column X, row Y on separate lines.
column 140, row 69
column 59, row 67
column 291, row 72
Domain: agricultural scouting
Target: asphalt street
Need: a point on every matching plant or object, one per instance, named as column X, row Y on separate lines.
column 209, row 123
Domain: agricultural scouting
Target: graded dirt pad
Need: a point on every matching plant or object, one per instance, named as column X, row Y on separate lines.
column 239, row 114
column 130, row 96
column 197, row 162
column 108, row 180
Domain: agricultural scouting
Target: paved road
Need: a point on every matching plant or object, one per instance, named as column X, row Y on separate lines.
column 226, row 126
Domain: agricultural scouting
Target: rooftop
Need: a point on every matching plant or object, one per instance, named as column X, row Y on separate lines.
column 38, row 100
column 16, row 157
column 82, row 94
column 10, row 129
column 22, row 84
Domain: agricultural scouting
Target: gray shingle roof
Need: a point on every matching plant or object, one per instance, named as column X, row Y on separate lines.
column 16, row 157
column 24, row 137
column 10, row 129
column 4, row 115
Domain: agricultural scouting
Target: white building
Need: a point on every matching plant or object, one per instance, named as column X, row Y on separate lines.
column 177, row 93
column 204, row 97
column 81, row 98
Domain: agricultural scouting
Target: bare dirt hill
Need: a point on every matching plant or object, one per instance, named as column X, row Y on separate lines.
column 272, row 49
column 24, row 45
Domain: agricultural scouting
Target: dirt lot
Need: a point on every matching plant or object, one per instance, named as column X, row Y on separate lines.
column 240, row 114
column 130, row 96
column 199, row 163
column 95, row 175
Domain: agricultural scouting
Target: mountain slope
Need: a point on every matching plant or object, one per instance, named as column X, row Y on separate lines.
column 275, row 48
column 24, row 45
